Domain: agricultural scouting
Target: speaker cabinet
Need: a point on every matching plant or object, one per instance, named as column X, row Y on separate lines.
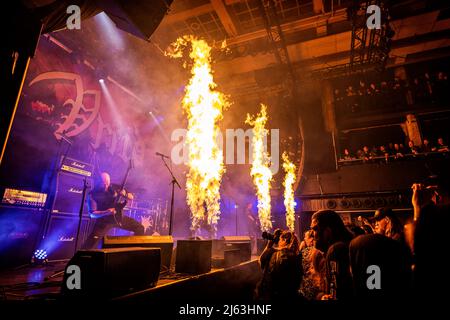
column 236, row 238
column 241, row 243
column 19, row 232
column 232, row 257
column 105, row 273
column 244, row 248
column 351, row 202
column 193, row 256
column 164, row 243
column 138, row 17
column 217, row 248
column 69, row 190
column 60, row 237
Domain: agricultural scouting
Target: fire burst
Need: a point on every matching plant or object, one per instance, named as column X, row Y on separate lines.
column 204, row 106
column 289, row 180
column 260, row 172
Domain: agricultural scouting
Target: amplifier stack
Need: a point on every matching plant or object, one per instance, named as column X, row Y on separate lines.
column 62, row 224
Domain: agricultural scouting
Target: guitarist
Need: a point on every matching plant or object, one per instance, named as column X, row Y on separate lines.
column 105, row 209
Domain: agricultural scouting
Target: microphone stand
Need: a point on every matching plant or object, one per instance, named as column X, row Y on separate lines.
column 83, row 198
column 173, row 182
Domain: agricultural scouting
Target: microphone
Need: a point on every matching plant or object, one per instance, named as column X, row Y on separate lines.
column 162, row 155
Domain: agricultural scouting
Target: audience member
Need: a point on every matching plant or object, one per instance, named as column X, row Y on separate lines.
column 419, row 90
column 388, row 224
column 332, row 238
column 282, row 268
column 412, row 149
column 428, row 238
column 426, row 146
column 441, row 146
column 347, row 155
column 376, row 253
column 398, row 151
column 310, row 286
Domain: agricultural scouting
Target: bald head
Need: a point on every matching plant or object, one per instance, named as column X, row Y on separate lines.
column 106, row 179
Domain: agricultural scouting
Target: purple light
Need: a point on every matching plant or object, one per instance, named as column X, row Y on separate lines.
column 109, row 31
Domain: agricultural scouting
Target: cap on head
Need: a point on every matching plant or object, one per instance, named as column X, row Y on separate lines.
column 381, row 213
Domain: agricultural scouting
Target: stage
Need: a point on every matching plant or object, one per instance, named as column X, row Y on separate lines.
column 232, row 283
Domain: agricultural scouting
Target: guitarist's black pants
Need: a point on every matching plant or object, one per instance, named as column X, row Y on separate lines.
column 104, row 224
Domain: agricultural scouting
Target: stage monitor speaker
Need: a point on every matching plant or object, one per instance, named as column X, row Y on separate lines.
column 217, row 247
column 19, row 232
column 236, row 238
column 138, row 17
column 105, row 273
column 193, row 256
column 69, row 191
column 232, row 257
column 164, row 243
column 245, row 249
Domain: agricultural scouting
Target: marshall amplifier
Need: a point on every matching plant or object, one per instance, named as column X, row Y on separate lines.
column 20, row 229
column 60, row 236
column 24, row 198
column 77, row 167
column 69, row 192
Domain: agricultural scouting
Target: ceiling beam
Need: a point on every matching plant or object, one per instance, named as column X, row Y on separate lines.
column 291, row 27
column 186, row 14
column 224, row 17
column 234, row 38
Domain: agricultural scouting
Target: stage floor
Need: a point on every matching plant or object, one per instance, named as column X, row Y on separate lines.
column 33, row 282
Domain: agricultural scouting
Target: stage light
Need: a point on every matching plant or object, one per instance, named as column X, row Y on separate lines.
column 39, row 257
column 101, row 74
column 113, row 108
column 108, row 30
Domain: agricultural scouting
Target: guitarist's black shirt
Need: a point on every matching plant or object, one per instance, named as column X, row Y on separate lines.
column 101, row 199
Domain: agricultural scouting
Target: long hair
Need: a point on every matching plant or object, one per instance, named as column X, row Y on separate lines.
column 317, row 269
column 329, row 218
column 309, row 234
column 394, row 228
column 294, row 243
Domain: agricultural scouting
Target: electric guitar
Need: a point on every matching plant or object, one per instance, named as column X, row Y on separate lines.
column 121, row 200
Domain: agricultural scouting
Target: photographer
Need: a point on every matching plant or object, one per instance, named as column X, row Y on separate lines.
column 282, row 267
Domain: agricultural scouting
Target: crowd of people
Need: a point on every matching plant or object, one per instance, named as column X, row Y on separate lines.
column 392, row 94
column 395, row 150
column 379, row 258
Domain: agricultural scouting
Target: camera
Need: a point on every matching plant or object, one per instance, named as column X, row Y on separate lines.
column 275, row 237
